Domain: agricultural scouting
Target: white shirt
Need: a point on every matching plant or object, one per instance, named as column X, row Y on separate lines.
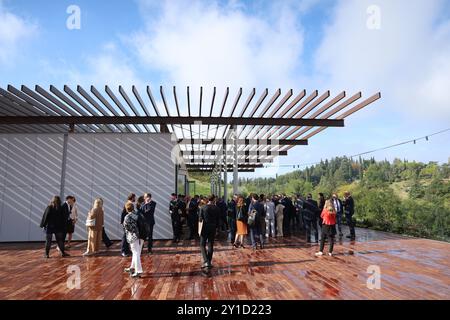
column 74, row 212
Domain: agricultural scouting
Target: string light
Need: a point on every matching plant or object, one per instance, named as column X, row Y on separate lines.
column 367, row 152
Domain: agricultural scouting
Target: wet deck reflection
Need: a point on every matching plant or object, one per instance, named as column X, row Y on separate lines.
column 410, row 268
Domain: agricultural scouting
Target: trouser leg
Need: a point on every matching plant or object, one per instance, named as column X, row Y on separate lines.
column 339, row 223
column 60, row 241
column 210, row 247
column 191, row 227
column 150, row 237
column 322, row 238
column 351, row 225
column 308, row 230
column 316, row 231
column 136, row 259
column 125, row 245
column 252, row 237
column 203, row 249
column 331, row 239
column 105, row 238
column 48, row 242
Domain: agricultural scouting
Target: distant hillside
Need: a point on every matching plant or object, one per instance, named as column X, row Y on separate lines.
column 404, row 197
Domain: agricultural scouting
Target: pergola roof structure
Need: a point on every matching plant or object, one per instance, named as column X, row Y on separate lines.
column 264, row 125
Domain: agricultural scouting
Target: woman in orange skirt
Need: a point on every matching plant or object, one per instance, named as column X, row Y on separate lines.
column 241, row 223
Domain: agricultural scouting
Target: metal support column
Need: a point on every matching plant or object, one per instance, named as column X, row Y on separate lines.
column 225, row 178
column 63, row 166
column 235, row 160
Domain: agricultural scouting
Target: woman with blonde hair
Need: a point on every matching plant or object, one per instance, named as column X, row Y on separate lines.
column 241, row 224
column 328, row 216
column 94, row 223
column 54, row 222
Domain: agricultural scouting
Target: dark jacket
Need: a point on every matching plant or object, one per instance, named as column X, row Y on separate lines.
column 310, row 209
column 231, row 210
column 340, row 205
column 53, row 220
column 148, row 211
column 289, row 209
column 223, row 209
column 349, row 206
column 123, row 215
column 321, row 204
column 66, row 213
column 174, row 211
column 210, row 215
column 193, row 210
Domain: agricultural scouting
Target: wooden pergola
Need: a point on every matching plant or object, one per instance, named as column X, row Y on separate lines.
column 215, row 135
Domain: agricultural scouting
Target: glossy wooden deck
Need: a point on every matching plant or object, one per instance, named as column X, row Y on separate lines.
column 410, row 268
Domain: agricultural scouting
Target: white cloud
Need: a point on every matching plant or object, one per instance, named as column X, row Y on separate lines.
column 408, row 59
column 204, row 43
column 110, row 66
column 13, row 31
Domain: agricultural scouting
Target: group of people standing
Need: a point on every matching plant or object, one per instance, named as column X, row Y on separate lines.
column 137, row 219
column 260, row 217
column 257, row 216
column 59, row 219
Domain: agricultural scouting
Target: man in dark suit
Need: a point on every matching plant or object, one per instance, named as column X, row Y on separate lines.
column 192, row 216
column 66, row 210
column 287, row 215
column 256, row 232
column 148, row 211
column 174, row 210
column 231, row 218
column 209, row 216
column 349, row 209
column 339, row 210
column 310, row 213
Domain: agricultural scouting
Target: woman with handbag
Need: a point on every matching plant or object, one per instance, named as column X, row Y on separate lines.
column 241, row 218
column 94, row 223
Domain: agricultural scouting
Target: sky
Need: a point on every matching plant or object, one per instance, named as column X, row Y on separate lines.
column 399, row 48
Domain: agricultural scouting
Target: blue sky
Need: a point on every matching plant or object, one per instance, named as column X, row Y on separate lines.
column 287, row 44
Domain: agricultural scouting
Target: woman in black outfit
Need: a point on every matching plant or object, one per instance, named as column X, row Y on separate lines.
column 54, row 222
